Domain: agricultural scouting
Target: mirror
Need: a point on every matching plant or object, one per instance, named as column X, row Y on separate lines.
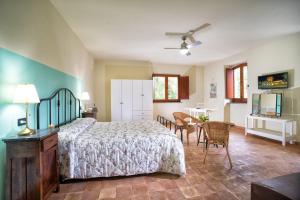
column 255, row 104
column 268, row 104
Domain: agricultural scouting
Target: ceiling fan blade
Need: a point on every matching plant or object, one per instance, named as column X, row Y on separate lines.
column 195, row 44
column 191, row 38
column 200, row 27
column 174, row 34
column 172, row 48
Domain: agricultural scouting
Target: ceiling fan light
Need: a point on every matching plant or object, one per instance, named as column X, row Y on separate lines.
column 184, row 51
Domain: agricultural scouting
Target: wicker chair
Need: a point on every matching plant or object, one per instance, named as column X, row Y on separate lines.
column 217, row 133
column 182, row 122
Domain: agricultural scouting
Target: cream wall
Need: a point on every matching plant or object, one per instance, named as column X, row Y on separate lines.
column 34, row 28
column 195, row 74
column 279, row 54
column 104, row 71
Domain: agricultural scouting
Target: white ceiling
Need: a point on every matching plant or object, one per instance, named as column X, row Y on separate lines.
column 134, row 29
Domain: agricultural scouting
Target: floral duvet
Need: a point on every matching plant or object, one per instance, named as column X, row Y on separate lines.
column 103, row 149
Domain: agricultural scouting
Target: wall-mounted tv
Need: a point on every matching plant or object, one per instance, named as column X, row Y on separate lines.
column 273, row 81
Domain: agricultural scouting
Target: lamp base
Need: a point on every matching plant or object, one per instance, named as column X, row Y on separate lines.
column 26, row 131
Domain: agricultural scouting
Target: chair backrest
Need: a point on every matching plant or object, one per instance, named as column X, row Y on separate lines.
column 218, row 132
column 180, row 118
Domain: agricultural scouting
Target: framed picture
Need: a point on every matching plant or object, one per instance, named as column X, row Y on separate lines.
column 213, row 90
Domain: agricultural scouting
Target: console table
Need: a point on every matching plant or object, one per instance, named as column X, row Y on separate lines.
column 287, row 133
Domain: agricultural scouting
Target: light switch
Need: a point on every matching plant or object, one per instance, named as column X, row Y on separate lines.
column 21, row 121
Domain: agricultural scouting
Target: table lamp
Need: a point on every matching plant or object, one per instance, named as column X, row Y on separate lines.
column 26, row 94
column 84, row 97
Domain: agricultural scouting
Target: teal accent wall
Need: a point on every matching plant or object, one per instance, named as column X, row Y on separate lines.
column 15, row 69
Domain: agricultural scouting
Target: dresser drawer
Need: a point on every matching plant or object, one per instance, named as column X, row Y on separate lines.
column 49, row 142
column 148, row 117
column 136, row 117
column 143, row 117
column 89, row 114
column 142, row 112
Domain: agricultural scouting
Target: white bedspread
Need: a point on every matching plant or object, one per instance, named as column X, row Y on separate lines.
column 104, row 149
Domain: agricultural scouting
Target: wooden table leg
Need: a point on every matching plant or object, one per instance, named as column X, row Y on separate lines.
column 199, row 135
column 181, row 132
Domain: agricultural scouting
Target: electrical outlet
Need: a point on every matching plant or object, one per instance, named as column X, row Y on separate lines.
column 21, row 121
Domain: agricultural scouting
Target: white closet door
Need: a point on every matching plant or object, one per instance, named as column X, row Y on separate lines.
column 137, row 91
column 116, row 99
column 147, row 95
column 126, row 100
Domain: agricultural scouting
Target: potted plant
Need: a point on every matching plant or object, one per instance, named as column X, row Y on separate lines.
column 203, row 118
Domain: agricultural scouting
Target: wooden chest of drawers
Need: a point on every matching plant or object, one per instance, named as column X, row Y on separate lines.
column 32, row 171
column 89, row 114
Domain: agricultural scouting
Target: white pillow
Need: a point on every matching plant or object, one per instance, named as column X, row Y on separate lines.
column 77, row 126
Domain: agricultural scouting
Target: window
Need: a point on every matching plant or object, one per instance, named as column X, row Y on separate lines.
column 236, row 83
column 170, row 87
column 159, row 88
column 173, row 88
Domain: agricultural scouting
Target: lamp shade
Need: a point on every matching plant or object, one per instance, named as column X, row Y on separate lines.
column 85, row 96
column 26, row 93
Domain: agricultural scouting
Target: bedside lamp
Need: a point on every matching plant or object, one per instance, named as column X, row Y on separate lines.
column 84, row 97
column 26, row 94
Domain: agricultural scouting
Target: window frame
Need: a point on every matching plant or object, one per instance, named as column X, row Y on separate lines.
column 242, row 99
column 166, row 100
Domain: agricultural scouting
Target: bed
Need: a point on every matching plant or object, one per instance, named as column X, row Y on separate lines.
column 90, row 149
column 105, row 149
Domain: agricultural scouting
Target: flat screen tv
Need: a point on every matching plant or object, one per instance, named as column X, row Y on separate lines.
column 273, row 81
column 267, row 104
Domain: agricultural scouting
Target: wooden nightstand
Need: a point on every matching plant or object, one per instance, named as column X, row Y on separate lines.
column 89, row 114
column 32, row 165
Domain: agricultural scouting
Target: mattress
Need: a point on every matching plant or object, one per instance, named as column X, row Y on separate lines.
column 89, row 149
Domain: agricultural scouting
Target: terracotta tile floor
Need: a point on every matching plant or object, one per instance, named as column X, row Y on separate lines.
column 253, row 159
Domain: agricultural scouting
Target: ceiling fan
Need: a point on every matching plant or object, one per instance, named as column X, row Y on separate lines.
column 184, row 47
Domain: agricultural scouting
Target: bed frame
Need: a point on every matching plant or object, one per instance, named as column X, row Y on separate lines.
column 62, row 107
column 61, row 103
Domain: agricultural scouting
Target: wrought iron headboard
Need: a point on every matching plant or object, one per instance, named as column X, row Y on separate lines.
column 62, row 104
